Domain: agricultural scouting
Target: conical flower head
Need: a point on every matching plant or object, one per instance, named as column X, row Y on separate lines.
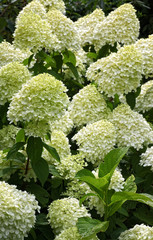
column 41, row 98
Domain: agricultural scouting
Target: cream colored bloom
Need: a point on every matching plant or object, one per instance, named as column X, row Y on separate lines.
column 147, row 158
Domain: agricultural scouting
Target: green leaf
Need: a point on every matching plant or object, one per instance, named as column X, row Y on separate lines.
column 130, row 185
column 34, row 149
column 83, row 173
column 55, row 74
column 18, row 157
column 41, row 219
column 59, row 61
column 114, row 207
column 41, row 194
column 41, row 169
column 131, row 99
column 73, row 69
column 111, row 161
column 54, row 171
column 90, row 227
column 52, row 151
column 20, row 137
column 86, row 196
column 15, row 149
column 92, row 55
column 69, row 57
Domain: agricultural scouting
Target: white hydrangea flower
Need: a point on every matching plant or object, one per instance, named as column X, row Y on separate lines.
column 118, row 73
column 9, row 54
column 144, row 100
column 69, row 166
column 138, row 232
column 96, row 140
column 64, row 124
column 64, row 213
column 88, row 106
column 12, row 76
column 117, row 181
column 34, row 7
column 37, row 129
column 42, row 98
column 72, row 234
column 61, row 143
column 121, row 25
column 17, row 212
column 132, row 129
column 54, row 4
column 34, row 33
column 64, row 29
column 145, row 46
column 7, row 136
column 86, row 25
column 147, row 158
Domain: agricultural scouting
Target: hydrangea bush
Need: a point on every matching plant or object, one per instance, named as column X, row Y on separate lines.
column 76, row 126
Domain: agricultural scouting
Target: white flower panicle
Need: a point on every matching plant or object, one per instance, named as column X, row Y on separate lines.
column 96, row 140
column 64, row 124
column 64, row 29
column 132, row 129
column 17, row 212
column 144, row 100
column 145, row 46
column 64, row 213
column 42, row 98
column 54, row 4
column 12, row 76
column 118, row 73
column 34, row 33
column 9, row 54
column 138, row 232
column 34, row 7
column 71, row 234
column 7, row 136
column 147, row 158
column 88, row 106
column 117, row 181
column 37, row 128
column 86, row 25
column 121, row 25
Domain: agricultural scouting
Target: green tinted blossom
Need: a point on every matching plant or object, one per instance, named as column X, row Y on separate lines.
column 118, row 73
column 147, row 158
column 64, row 213
column 88, row 106
column 138, row 232
column 34, row 7
column 9, row 54
column 96, row 140
column 71, row 234
column 64, row 29
column 7, row 136
column 121, row 25
column 132, row 129
column 34, row 33
column 37, row 129
column 42, row 98
column 86, row 25
column 17, row 212
column 54, row 4
column 117, row 181
column 144, row 100
column 12, row 76
column 64, row 124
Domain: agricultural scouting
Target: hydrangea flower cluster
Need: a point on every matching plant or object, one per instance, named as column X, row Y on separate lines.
column 117, row 181
column 147, row 158
column 7, row 136
column 71, row 233
column 54, row 4
column 132, row 129
column 86, row 25
column 12, row 76
column 88, row 106
column 37, row 128
column 121, row 25
column 64, row 29
column 42, row 98
column 17, row 212
column 64, row 124
column 34, row 33
column 9, row 54
column 96, row 140
column 64, row 213
column 118, row 73
column 144, row 100
column 138, row 232
column 145, row 46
